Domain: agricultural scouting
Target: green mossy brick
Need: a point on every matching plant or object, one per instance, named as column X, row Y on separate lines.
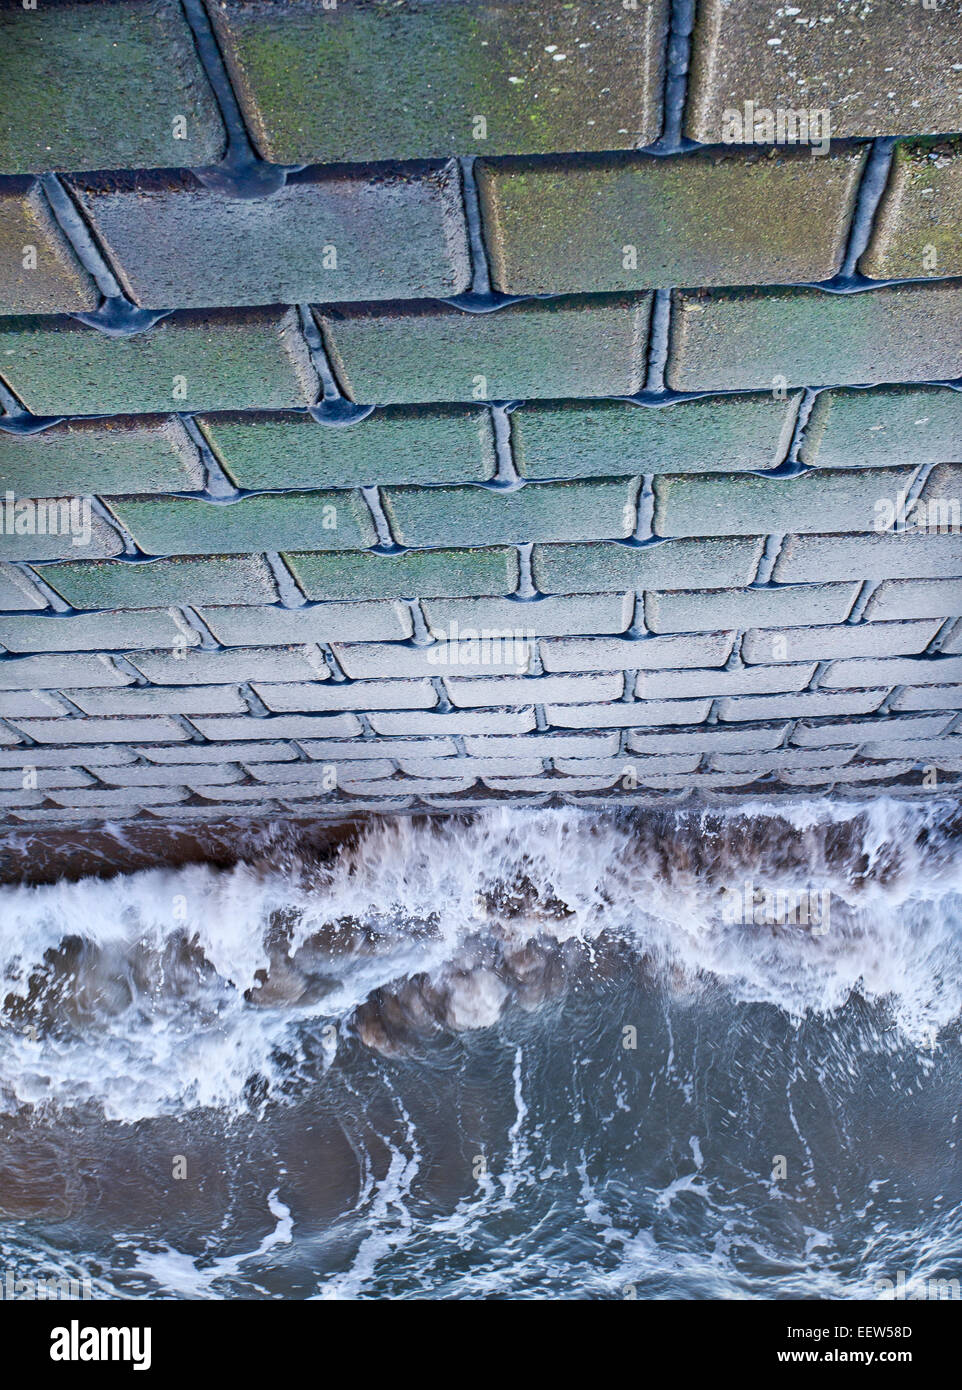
column 539, row 349
column 538, row 512
column 103, row 632
column 716, row 563
column 631, row 222
column 39, row 270
column 121, row 455
column 766, row 606
column 382, row 80
column 727, row 340
column 324, row 622
column 890, row 425
column 719, row 504
column 567, row 439
column 103, row 86
column 404, row 444
column 189, row 526
column 413, row 574
column 889, row 555
column 879, row 69
column 918, row 227
column 388, row 234
column 159, row 583
column 228, row 359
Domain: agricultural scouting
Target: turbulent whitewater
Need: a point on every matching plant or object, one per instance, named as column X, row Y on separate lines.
column 532, row 1054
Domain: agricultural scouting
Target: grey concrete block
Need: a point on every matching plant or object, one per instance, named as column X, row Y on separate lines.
column 561, row 616
column 768, row 606
column 325, row 622
column 624, row 714
column 544, row 746
column 51, row 672
column 934, row 670
column 220, row 753
column 347, row 695
column 743, row 680
column 534, row 690
column 148, row 453
column 848, row 731
column 138, row 699
column 804, row 704
column 279, row 726
column 899, row 599
column 111, row 631
column 393, row 661
column 85, row 729
column 709, row 740
column 411, row 574
column 890, row 555
column 494, row 721
column 846, row 640
column 885, row 426
column 394, row 749
column 276, row 664
column 706, row 563
column 928, row 697
column 176, row 776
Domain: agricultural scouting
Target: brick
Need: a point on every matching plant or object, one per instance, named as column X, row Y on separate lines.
column 347, row 695
column 279, row 726
column 913, row 598
column 574, row 439
column 699, row 611
column 846, row 640
column 102, row 84
column 711, row 740
column 920, row 214
column 549, row 782
column 89, row 730
column 120, row 796
column 533, row 690
column 108, row 755
column 708, row 217
column 622, row 714
column 16, row 591
column 290, row 774
column 880, row 555
column 928, row 697
column 95, row 631
column 143, row 777
column 332, row 235
column 57, row 816
column 222, row 359
column 806, row 703
column 627, row 766
column 21, row 797
column 26, row 704
column 493, row 721
column 472, row 767
column 392, row 661
column 561, row 616
column 341, row 810
column 600, row 510
column 59, row 528
column 888, row 425
column 829, row 733
column 710, row 563
column 940, row 509
column 698, row 780
column 877, row 71
column 747, row 339
column 412, row 786
column 273, row 521
column 413, row 574
column 192, row 699
column 636, row 654
column 159, row 583
column 783, row 758
column 805, row 777
column 757, row 680
column 394, row 749
column 553, row 77
column 918, row 749
column 53, row 281
column 258, row 793
column 46, row 778
column 220, row 754
column 324, row 622
column 219, row 812
column 230, row 667
column 935, row 670
column 152, row 453
column 729, row 503
column 544, row 746
column 951, row 645
column 399, row 444
column 416, row 353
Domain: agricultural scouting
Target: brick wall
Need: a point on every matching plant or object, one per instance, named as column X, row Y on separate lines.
column 449, row 402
